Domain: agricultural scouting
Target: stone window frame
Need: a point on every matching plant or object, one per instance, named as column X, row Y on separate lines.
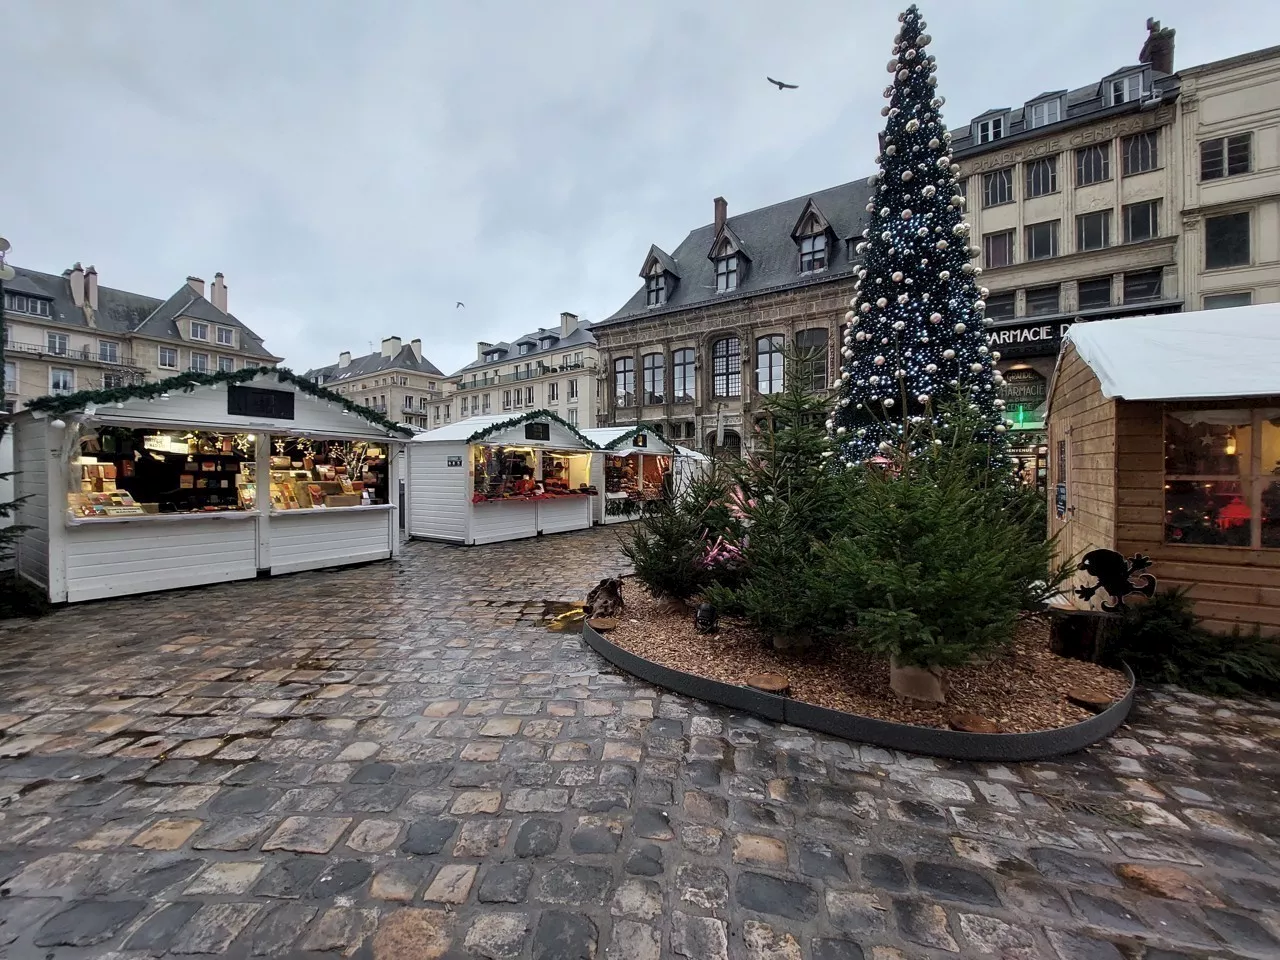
column 726, row 367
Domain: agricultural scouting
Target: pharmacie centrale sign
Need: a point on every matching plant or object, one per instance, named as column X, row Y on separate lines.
column 1028, row 339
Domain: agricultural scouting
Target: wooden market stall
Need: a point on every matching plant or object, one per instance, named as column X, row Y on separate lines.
column 633, row 467
column 201, row 478
column 1164, row 440
column 492, row 478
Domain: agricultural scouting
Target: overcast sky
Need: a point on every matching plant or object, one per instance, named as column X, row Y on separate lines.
column 355, row 168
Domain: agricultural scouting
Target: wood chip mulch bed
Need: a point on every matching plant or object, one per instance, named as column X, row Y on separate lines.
column 1021, row 689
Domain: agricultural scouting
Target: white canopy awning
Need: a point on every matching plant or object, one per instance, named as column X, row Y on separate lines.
column 1184, row 356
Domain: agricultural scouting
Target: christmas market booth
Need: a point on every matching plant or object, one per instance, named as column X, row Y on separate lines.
column 1164, row 438
column 200, row 478
column 634, row 468
column 492, row 478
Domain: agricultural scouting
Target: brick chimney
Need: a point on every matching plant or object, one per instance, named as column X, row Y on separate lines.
column 344, row 359
column 568, row 323
column 390, row 346
column 196, row 285
column 416, row 346
column 91, row 286
column 1158, row 48
column 722, row 212
column 218, row 292
column 76, row 279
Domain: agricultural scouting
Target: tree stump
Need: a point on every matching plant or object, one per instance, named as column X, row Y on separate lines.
column 918, row 683
column 605, row 599
column 774, row 683
column 972, row 723
column 1081, row 634
column 603, row 624
column 1090, row 699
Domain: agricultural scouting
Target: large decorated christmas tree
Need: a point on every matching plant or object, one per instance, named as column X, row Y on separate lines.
column 913, row 341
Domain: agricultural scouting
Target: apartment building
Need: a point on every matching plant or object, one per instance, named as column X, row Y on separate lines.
column 67, row 332
column 396, row 381
column 1229, row 125
column 555, row 369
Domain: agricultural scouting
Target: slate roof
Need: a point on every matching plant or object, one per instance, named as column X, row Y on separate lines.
column 774, row 262
column 1081, row 105
column 374, row 363
column 580, row 337
column 121, row 312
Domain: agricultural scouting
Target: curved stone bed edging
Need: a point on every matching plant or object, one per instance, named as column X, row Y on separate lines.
column 949, row 744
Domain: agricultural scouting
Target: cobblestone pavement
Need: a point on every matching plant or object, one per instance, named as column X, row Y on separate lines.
column 399, row 761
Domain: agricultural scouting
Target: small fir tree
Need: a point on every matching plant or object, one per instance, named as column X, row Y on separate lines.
column 914, row 337
column 789, row 504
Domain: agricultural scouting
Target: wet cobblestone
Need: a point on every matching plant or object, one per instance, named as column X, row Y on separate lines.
column 400, row 761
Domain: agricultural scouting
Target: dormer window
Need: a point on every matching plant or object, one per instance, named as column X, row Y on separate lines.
column 810, row 235
column 1126, row 89
column 1046, row 112
column 199, row 330
column 813, row 253
column 990, row 129
column 526, row 348
column 656, row 289
column 727, row 273
column 34, row 306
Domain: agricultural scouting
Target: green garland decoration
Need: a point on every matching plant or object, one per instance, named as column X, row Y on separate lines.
column 652, row 428
column 489, row 431
column 188, row 382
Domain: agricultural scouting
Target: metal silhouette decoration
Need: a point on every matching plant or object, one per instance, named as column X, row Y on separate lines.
column 1115, row 576
column 705, row 618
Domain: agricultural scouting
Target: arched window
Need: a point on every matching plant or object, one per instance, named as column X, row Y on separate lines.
column 682, row 376
column 811, row 351
column 653, row 366
column 769, row 364
column 731, row 447
column 624, row 381
column 726, row 367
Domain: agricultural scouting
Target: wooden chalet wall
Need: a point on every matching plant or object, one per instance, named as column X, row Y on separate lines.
column 1085, row 419
column 1232, row 586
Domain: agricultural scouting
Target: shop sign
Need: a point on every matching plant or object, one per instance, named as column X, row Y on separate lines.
column 1023, row 392
column 1060, row 500
column 453, row 462
column 537, row 431
column 257, row 402
column 1028, row 339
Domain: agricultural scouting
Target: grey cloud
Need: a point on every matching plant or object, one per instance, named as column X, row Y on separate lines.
column 355, row 168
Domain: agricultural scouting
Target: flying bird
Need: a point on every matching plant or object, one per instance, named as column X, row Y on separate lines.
column 783, row 86
column 459, row 303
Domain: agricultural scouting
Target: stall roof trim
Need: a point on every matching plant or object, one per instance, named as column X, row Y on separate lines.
column 1206, row 354
column 475, row 429
column 610, row 438
column 191, row 381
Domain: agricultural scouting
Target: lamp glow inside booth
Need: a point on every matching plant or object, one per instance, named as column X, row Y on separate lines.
column 633, row 469
column 492, row 478
column 203, row 482
column 1164, row 440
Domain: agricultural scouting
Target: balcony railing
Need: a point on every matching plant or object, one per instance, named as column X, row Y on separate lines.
column 543, row 371
column 80, row 354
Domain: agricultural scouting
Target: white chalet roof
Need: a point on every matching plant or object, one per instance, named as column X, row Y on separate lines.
column 563, row 437
column 1233, row 352
column 603, row 436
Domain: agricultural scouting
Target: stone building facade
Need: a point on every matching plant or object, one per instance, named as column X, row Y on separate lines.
column 65, row 333
column 1090, row 203
column 556, row 369
column 1229, row 124
column 397, row 381
column 700, row 345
